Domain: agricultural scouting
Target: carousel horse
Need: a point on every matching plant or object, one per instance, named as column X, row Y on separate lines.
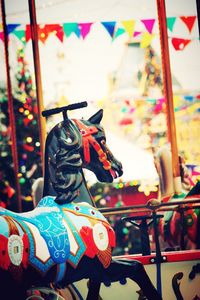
column 65, row 238
column 178, row 227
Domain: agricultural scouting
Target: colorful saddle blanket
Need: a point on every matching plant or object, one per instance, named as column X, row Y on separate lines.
column 56, row 234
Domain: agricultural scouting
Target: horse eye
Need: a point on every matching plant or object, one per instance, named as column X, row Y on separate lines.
column 103, row 142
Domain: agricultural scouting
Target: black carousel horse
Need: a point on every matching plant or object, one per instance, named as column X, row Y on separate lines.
column 65, row 238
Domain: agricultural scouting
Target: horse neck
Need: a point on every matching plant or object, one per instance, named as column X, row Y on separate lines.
column 84, row 193
column 64, row 178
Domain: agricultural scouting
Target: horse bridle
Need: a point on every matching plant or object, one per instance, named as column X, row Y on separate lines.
column 88, row 139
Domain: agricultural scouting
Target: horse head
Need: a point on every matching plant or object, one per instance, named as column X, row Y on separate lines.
column 72, row 145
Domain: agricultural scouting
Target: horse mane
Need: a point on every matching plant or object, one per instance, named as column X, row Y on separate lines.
column 63, row 162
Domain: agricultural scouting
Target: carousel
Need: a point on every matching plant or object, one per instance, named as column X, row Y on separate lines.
column 64, row 246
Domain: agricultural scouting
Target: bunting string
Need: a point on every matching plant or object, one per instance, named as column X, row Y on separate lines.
column 114, row 29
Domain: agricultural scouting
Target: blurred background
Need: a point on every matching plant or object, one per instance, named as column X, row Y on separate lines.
column 108, row 54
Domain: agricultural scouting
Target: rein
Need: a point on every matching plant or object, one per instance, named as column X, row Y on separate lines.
column 88, row 140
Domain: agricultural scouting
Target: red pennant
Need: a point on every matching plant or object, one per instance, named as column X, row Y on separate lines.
column 2, row 36
column 42, row 33
column 55, row 29
column 180, row 44
column 189, row 22
column 28, row 33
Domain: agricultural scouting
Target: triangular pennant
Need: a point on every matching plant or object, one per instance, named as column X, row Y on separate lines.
column 28, row 33
column 1, row 36
column 110, row 27
column 11, row 27
column 118, row 32
column 148, row 23
column 136, row 33
column 84, row 29
column 42, row 33
column 55, row 29
column 170, row 23
column 180, row 44
column 20, row 34
column 146, row 39
column 129, row 26
column 189, row 22
column 60, row 33
column 189, row 98
column 70, row 28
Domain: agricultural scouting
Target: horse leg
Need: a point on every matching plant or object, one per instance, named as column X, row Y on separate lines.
column 126, row 268
column 93, row 289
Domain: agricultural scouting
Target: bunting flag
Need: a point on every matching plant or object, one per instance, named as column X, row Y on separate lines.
column 180, row 44
column 170, row 23
column 129, row 26
column 28, row 33
column 146, row 39
column 55, row 29
column 118, row 32
column 115, row 29
column 136, row 33
column 12, row 27
column 42, row 33
column 189, row 22
column 148, row 23
column 1, row 36
column 70, row 28
column 84, row 29
column 110, row 27
column 20, row 34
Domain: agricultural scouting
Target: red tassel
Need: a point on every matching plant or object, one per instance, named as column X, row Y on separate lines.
column 87, row 236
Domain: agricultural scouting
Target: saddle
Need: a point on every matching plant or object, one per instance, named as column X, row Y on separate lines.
column 56, row 234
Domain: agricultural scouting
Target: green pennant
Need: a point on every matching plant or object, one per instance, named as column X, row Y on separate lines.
column 70, row 28
column 118, row 32
column 170, row 23
column 20, row 34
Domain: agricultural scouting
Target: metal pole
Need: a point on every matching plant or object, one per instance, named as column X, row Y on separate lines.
column 36, row 59
column 11, row 109
column 167, row 83
column 198, row 13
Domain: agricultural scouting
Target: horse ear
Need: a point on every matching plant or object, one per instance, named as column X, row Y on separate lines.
column 97, row 117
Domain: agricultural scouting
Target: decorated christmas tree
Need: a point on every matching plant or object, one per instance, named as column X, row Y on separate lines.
column 27, row 136
column 7, row 182
column 27, row 130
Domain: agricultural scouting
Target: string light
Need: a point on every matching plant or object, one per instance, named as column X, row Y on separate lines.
column 29, row 139
column 30, row 117
column 26, row 112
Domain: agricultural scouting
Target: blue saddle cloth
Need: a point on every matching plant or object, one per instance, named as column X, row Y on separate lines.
column 47, row 217
column 52, row 222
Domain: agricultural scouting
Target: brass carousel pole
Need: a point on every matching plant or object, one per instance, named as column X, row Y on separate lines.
column 11, row 109
column 39, row 94
column 167, row 83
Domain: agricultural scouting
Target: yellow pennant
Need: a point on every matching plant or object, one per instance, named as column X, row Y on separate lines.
column 146, row 39
column 129, row 26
